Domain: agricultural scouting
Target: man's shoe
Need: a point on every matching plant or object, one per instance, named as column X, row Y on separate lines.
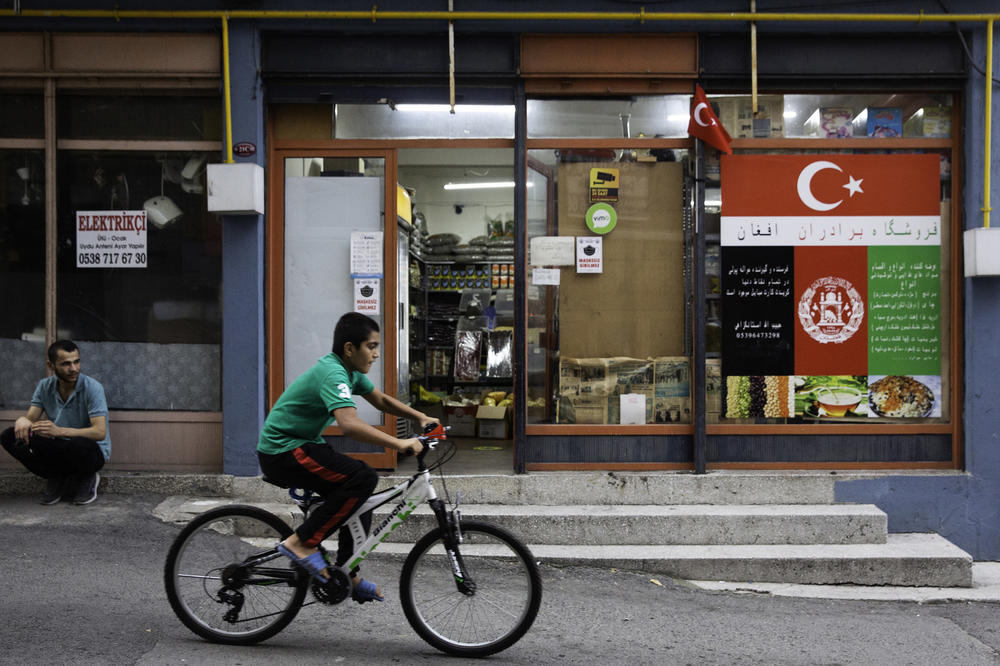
column 54, row 489
column 86, row 492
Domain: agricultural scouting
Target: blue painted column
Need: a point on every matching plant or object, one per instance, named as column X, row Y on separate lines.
column 243, row 360
column 964, row 508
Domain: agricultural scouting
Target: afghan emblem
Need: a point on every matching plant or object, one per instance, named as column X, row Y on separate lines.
column 831, row 310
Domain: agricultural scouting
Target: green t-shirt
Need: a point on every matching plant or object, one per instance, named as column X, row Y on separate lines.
column 306, row 407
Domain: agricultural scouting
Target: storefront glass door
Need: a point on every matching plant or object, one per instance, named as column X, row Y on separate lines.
column 332, row 262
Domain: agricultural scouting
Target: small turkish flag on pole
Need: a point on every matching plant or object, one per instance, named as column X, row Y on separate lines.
column 705, row 126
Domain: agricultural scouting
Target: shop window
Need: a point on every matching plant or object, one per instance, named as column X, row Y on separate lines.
column 139, row 269
column 137, row 256
column 661, row 116
column 607, row 289
column 134, row 118
column 423, row 121
column 840, row 116
column 21, row 116
column 847, row 319
column 22, row 273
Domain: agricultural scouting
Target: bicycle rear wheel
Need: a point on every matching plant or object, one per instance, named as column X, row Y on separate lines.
column 216, row 587
column 502, row 607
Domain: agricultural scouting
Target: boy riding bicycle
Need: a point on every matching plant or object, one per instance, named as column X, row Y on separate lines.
column 292, row 451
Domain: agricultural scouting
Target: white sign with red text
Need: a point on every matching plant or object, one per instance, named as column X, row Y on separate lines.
column 589, row 254
column 367, row 296
column 111, row 239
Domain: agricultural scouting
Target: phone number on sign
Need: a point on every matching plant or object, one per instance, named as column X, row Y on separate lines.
column 111, row 259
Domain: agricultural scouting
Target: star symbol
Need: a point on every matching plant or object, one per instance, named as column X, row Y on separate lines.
column 854, row 185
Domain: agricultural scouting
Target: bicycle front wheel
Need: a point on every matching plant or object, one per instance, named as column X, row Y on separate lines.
column 474, row 622
column 219, row 589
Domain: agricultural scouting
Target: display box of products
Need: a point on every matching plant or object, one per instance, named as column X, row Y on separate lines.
column 831, row 123
column 462, row 419
column 493, row 422
column 884, row 122
column 937, row 121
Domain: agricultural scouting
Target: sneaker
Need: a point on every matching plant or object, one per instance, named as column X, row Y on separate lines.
column 54, row 489
column 86, row 492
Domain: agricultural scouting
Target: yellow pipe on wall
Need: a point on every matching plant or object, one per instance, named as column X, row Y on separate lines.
column 988, row 129
column 226, row 93
column 376, row 14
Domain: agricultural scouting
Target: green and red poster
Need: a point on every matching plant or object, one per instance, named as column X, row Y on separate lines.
column 831, row 280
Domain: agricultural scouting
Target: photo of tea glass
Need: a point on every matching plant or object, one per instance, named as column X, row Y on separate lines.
column 831, row 396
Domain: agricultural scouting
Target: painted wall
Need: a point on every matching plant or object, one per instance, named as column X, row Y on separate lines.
column 243, row 368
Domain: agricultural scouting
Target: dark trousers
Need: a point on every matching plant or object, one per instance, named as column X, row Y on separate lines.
column 55, row 458
column 343, row 482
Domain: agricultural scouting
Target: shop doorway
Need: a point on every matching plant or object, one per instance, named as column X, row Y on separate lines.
column 461, row 305
column 329, row 247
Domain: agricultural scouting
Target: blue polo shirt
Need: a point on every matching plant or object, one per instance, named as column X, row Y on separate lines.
column 85, row 402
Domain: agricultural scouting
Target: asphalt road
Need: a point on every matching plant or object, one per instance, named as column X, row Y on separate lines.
column 83, row 585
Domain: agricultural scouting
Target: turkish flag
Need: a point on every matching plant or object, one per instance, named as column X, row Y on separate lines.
column 705, row 125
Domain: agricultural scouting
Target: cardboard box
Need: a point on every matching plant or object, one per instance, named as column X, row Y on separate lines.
column 461, row 419
column 493, row 422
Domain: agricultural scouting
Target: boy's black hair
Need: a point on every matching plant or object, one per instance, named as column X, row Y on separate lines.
column 353, row 327
column 60, row 345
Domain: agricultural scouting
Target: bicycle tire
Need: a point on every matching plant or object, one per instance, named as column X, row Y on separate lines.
column 218, row 539
column 503, row 607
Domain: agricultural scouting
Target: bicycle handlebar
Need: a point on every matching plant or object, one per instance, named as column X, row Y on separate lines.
column 433, row 433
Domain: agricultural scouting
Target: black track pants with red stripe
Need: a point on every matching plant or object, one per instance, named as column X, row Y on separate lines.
column 343, row 482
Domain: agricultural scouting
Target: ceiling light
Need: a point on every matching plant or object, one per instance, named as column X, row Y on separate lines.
column 459, row 108
column 482, row 185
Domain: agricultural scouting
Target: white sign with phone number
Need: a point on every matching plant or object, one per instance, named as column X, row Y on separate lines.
column 111, row 239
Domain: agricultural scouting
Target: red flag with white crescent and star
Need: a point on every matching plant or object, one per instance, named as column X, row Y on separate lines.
column 705, row 125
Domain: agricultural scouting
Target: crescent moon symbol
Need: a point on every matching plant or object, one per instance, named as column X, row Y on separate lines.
column 697, row 114
column 804, row 185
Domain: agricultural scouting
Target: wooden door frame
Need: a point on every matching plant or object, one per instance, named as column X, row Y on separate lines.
column 275, row 278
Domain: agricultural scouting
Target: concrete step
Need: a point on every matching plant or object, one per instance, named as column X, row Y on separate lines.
column 674, row 525
column 639, row 525
column 910, row 560
column 606, row 488
column 537, row 488
column 900, row 559
column 905, row 559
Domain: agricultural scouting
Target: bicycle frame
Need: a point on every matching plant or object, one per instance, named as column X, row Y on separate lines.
column 411, row 493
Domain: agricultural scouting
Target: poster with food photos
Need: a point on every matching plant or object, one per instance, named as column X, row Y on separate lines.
column 831, row 286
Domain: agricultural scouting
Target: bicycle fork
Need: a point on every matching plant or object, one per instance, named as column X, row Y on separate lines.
column 450, row 522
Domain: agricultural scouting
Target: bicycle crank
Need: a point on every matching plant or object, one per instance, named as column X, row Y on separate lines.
column 334, row 590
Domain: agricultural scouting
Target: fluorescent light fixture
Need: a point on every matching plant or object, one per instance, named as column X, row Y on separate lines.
column 482, row 185
column 790, row 114
column 459, row 108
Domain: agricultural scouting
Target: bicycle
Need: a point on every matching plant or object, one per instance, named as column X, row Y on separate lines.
column 468, row 588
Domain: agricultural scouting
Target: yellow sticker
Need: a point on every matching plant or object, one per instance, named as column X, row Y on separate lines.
column 603, row 184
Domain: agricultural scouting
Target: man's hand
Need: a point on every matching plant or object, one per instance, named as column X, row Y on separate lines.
column 46, row 428
column 22, row 428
